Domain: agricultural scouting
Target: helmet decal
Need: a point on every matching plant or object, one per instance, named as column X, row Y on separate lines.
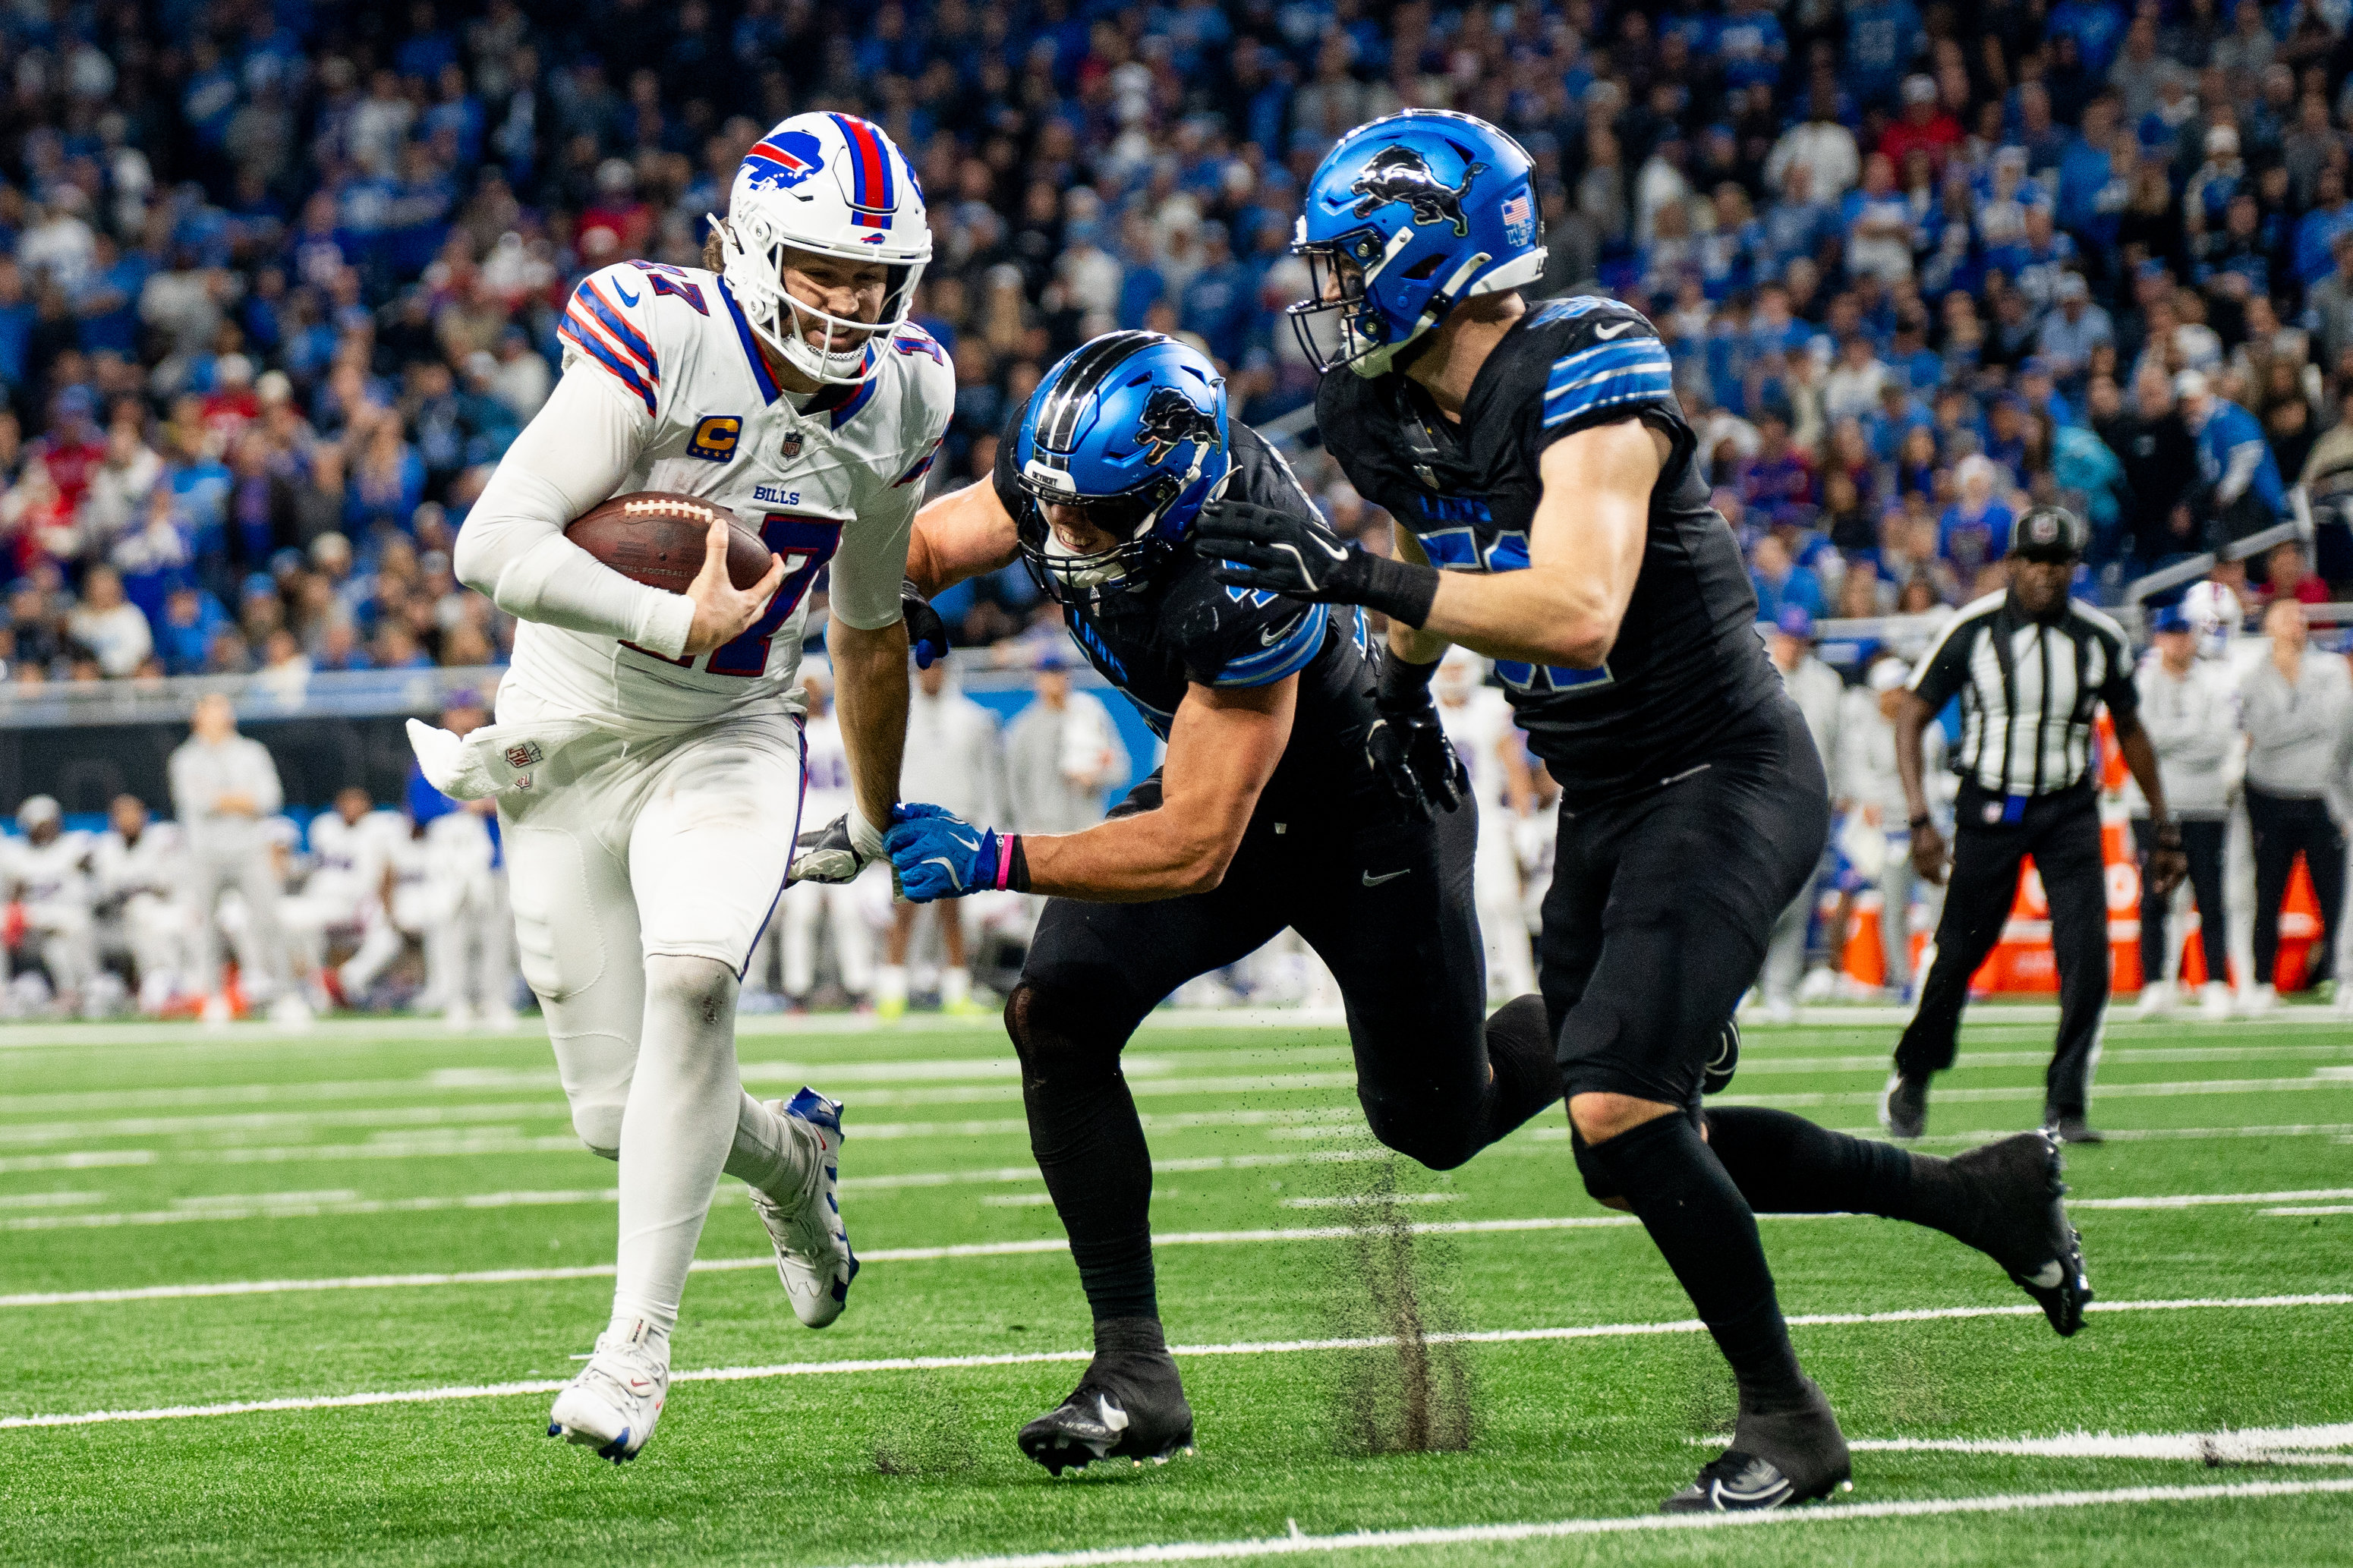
column 1170, row 419
column 871, row 196
column 782, row 160
column 1400, row 174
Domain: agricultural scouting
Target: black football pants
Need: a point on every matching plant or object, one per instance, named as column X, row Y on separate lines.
column 1386, row 903
column 2062, row 831
column 2282, row 826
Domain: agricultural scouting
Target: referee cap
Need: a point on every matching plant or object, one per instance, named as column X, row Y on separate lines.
column 2050, row 533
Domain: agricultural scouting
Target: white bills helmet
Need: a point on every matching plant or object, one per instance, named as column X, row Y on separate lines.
column 834, row 184
column 2213, row 613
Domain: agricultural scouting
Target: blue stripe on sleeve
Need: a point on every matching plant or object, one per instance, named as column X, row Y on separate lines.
column 1286, row 657
column 618, row 325
column 588, row 344
column 1570, row 369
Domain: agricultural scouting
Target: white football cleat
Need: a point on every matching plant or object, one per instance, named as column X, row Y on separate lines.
column 216, row 1009
column 615, row 1401
column 291, row 1012
column 813, row 1255
column 2156, row 998
column 2259, row 1001
column 2217, row 1000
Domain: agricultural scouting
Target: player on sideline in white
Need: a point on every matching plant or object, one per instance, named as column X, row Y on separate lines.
column 46, row 872
column 1477, row 719
column 794, row 931
column 137, row 863
column 646, row 756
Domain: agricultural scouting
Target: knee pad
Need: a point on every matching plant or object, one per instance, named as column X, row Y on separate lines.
column 598, row 1124
column 1053, row 1032
column 1599, row 1186
column 703, row 988
column 1412, row 1131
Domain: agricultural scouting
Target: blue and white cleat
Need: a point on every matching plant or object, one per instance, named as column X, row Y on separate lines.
column 813, row 1255
column 615, row 1401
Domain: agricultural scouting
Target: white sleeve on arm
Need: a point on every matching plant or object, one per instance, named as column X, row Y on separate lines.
column 268, row 793
column 872, row 561
column 577, row 450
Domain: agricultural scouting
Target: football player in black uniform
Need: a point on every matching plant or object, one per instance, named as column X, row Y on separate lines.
column 1555, row 518
column 1265, row 815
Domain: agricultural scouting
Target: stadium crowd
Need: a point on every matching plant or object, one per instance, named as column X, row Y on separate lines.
column 279, row 283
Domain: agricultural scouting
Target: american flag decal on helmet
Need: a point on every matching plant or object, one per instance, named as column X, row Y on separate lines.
column 1519, row 221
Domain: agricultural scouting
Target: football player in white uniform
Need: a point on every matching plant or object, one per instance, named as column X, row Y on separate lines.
column 646, row 756
column 840, row 903
column 136, row 863
column 344, row 896
column 46, row 872
column 1477, row 719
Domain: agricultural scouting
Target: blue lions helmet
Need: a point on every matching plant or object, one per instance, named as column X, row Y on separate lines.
column 1405, row 218
column 1132, row 428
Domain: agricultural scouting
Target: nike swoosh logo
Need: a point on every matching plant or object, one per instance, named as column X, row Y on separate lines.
column 627, row 298
column 1274, row 635
column 1373, row 881
column 1605, row 333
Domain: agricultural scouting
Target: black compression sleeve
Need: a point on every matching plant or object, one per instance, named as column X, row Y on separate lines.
column 1399, row 589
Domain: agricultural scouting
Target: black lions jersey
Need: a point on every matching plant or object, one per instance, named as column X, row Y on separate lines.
column 1155, row 639
column 1688, row 663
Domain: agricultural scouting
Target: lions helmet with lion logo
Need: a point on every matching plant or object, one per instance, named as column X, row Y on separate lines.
column 1131, row 428
column 1405, row 218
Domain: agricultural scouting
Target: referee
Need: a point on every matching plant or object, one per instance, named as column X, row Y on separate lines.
column 2027, row 665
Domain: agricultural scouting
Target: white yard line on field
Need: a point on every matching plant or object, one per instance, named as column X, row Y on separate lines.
column 553, row 1110
column 2248, row 1446
column 1299, row 1543
column 1031, row 1358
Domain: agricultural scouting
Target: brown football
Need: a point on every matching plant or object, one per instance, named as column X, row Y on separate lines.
column 655, row 536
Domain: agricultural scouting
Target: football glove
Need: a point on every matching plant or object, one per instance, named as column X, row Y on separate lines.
column 1407, row 746
column 837, row 852
column 1282, row 552
column 927, row 635
column 936, row 854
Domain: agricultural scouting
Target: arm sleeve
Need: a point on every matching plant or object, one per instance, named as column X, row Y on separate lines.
column 574, row 454
column 188, row 801
column 872, row 561
column 2245, row 458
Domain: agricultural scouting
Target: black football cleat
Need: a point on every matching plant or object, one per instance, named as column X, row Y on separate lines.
column 2022, row 1222
column 2074, row 1130
column 1774, row 1461
column 1903, row 1106
column 1129, row 1406
column 1716, row 1077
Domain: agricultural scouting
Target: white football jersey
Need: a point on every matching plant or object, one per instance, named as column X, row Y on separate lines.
column 827, row 770
column 347, row 857
column 834, row 482
column 153, row 865
column 56, row 872
column 1478, row 729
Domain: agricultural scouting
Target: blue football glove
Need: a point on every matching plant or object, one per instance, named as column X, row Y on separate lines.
column 927, row 635
column 938, row 855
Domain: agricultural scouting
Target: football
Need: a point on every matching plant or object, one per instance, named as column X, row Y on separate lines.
column 655, row 536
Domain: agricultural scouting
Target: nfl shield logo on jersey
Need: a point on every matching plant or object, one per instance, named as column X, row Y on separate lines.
column 525, row 755
column 789, row 446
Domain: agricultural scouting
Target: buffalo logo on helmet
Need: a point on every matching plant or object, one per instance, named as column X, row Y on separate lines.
column 784, row 160
column 1170, row 419
column 1401, row 174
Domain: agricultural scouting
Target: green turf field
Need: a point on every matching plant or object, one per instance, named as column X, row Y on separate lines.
column 398, row 1212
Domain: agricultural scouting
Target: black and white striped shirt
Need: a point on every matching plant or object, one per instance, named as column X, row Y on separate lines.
column 2027, row 693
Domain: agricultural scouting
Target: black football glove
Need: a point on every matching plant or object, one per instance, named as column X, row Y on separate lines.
column 1282, row 552
column 927, row 635
column 1408, row 747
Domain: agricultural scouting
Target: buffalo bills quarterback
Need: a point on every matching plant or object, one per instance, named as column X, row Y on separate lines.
column 1553, row 517
column 646, row 758
column 1291, row 796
